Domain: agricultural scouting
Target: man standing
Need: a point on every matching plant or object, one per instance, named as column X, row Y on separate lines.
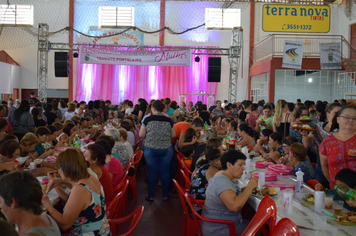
column 33, row 98
column 11, row 105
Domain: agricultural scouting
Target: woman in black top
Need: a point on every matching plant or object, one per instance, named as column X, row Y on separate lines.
column 37, row 119
column 204, row 114
column 51, row 116
column 142, row 109
column 158, row 130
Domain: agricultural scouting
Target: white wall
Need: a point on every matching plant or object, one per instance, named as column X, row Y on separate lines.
column 344, row 23
column 10, row 77
column 55, row 14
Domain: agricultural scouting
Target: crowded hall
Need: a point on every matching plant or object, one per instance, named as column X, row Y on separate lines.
column 177, row 117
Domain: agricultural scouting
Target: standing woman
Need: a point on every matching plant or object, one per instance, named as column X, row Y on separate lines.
column 21, row 120
column 142, row 109
column 158, row 131
column 266, row 120
column 105, row 110
column 282, row 118
column 338, row 150
column 70, row 111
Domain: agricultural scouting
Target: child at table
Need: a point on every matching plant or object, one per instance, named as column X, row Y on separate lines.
column 347, row 177
column 297, row 155
column 188, row 152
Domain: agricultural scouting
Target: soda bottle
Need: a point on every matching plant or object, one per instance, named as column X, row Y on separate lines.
column 345, row 192
column 227, row 138
column 76, row 141
column 205, row 126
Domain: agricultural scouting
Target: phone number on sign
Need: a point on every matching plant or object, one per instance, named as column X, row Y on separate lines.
column 296, row 27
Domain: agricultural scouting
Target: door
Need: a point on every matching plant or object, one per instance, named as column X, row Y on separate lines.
column 26, row 93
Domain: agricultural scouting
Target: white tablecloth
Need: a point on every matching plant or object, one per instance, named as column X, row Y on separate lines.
column 303, row 213
column 53, row 195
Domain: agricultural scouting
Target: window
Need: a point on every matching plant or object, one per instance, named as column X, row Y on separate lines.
column 222, row 19
column 16, row 15
column 112, row 17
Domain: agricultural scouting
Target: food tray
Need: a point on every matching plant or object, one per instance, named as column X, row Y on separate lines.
column 269, row 176
column 263, row 164
column 280, row 169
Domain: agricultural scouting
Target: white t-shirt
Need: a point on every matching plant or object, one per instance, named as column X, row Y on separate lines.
column 69, row 115
column 129, row 110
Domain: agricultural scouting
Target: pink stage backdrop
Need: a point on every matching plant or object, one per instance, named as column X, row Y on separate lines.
column 120, row 82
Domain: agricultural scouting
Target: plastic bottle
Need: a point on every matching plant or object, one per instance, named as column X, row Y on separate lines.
column 345, row 192
column 76, row 141
column 299, row 185
column 227, row 139
column 205, row 126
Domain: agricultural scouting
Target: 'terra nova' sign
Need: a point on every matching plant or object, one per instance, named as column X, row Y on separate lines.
column 297, row 19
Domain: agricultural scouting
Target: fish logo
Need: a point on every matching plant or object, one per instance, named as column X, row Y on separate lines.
column 292, row 53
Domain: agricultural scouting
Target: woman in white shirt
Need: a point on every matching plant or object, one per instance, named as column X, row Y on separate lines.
column 70, row 111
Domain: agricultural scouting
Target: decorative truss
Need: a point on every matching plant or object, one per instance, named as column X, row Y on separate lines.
column 44, row 46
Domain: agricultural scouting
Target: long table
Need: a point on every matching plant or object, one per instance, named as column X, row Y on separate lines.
column 303, row 214
column 52, row 195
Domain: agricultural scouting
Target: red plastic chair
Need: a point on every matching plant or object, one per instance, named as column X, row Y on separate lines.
column 137, row 146
column 267, row 211
column 187, row 180
column 135, row 216
column 313, row 165
column 117, row 206
column 312, row 182
column 285, row 227
column 188, row 222
column 118, row 188
column 197, row 217
column 132, row 179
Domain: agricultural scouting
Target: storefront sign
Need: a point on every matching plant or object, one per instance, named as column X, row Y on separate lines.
column 145, row 58
column 293, row 55
column 296, row 18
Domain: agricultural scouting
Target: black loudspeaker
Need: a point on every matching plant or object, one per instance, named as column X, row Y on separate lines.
column 214, row 69
column 61, row 64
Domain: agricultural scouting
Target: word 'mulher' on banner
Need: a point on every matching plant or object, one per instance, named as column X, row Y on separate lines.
column 296, row 18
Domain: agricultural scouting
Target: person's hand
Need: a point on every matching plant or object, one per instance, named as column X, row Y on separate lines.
column 54, row 183
column 351, row 203
column 304, row 133
column 9, row 166
column 45, row 198
column 33, row 156
column 319, row 187
column 41, row 171
column 52, row 174
column 50, row 152
column 252, row 184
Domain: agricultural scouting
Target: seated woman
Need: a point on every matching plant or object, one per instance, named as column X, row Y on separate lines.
column 119, row 150
column 9, row 151
column 112, row 164
column 347, row 178
column 298, row 154
column 275, row 142
column 20, row 198
column 201, row 176
column 95, row 156
column 84, row 212
column 224, row 198
column 245, row 135
column 286, row 143
column 125, row 141
column 211, row 143
column 190, row 138
column 31, row 146
column 262, row 145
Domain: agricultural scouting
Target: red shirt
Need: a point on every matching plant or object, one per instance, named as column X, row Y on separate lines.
column 115, row 168
column 337, row 156
column 180, row 127
column 106, row 182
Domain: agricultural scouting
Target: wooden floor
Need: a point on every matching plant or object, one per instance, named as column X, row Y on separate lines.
column 160, row 217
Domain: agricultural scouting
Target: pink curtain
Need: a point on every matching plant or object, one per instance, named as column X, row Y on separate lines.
column 120, row 82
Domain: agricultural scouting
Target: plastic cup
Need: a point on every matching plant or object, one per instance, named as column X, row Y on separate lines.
column 38, row 162
column 32, row 165
column 288, row 201
column 247, row 165
column 318, row 200
column 338, row 206
column 329, row 201
column 261, row 179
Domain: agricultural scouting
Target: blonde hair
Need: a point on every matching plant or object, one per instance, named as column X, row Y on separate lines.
column 123, row 133
column 279, row 109
column 73, row 165
column 71, row 107
column 29, row 139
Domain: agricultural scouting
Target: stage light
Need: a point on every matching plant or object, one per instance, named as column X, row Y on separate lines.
column 197, row 59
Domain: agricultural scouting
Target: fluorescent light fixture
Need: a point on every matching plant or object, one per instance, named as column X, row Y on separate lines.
column 310, row 80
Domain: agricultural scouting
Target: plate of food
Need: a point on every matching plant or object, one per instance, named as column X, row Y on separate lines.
column 348, row 218
column 302, row 127
column 305, row 119
column 265, row 191
column 309, row 199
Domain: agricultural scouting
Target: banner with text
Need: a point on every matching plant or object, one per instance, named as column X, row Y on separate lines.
column 330, row 56
column 293, row 55
column 142, row 58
